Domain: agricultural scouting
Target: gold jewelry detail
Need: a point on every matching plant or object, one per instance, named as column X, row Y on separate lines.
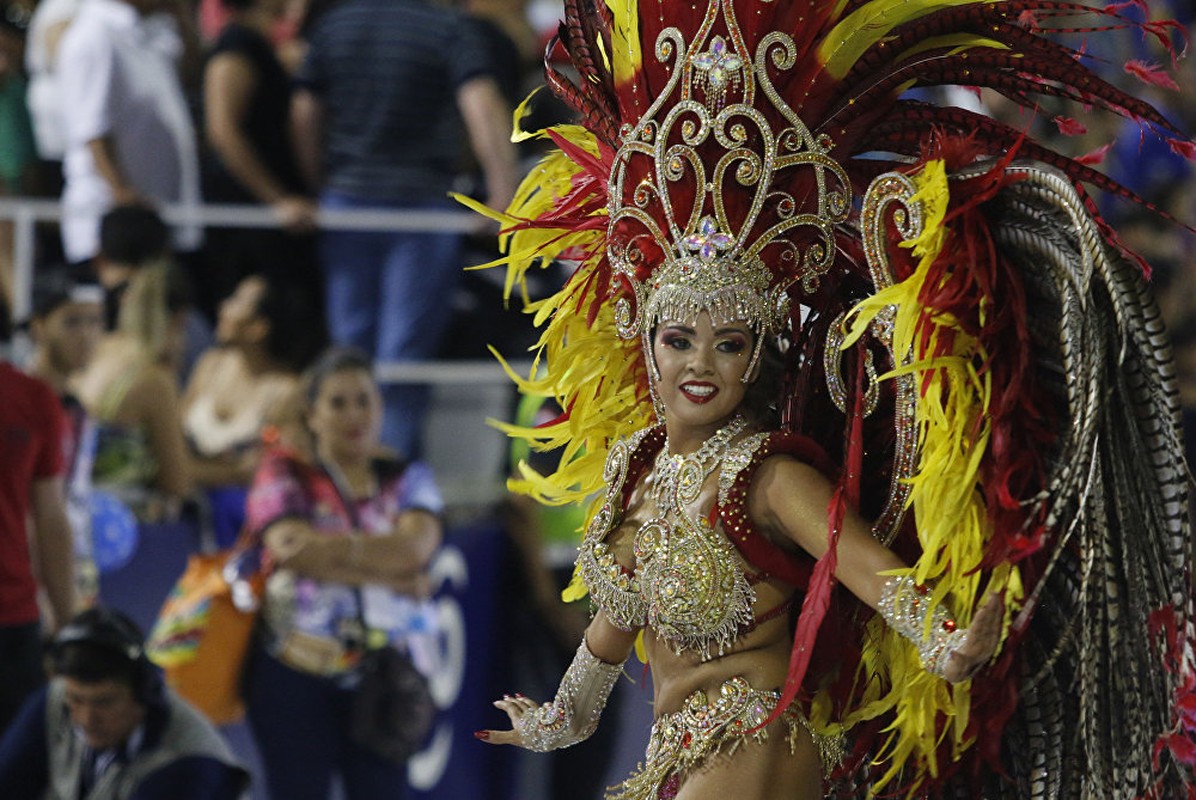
column 683, row 741
column 689, row 573
column 907, row 606
column 884, row 192
column 573, row 714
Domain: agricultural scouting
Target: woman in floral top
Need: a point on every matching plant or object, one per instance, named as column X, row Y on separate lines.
column 339, row 523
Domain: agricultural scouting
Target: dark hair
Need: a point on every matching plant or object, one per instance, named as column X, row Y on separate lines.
column 297, row 331
column 55, row 287
column 102, row 644
column 133, row 235
column 15, row 18
column 760, row 400
column 332, row 361
column 180, row 293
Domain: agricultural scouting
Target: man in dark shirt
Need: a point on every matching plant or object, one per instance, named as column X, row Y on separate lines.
column 378, row 120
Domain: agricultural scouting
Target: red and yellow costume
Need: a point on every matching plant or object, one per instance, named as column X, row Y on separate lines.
column 966, row 340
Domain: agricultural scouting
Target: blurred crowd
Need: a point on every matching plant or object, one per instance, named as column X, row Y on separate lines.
column 174, row 369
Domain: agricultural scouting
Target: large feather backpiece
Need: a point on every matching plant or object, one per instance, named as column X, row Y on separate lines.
column 1087, row 700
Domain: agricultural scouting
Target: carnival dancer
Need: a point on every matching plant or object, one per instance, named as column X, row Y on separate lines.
column 962, row 371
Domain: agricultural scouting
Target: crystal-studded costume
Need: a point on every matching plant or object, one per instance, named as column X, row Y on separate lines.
column 965, row 341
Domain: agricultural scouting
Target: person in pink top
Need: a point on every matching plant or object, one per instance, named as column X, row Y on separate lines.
column 348, row 533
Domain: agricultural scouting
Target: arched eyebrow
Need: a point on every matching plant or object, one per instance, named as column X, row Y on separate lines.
column 679, row 327
column 732, row 329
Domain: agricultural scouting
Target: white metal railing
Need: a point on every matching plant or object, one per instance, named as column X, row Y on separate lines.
column 26, row 212
column 466, row 454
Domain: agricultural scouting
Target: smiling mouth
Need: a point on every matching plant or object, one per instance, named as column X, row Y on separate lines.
column 699, row 392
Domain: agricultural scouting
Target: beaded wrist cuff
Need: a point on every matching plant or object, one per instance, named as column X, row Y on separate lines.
column 905, row 605
column 573, row 716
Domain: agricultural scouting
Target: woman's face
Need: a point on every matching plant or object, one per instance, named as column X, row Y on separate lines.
column 238, row 312
column 346, row 416
column 701, row 371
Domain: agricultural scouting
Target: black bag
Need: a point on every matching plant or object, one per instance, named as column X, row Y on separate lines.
column 393, row 710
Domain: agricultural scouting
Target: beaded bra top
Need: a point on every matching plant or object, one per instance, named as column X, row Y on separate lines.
column 689, row 584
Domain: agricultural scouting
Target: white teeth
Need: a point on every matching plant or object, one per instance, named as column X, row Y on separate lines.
column 701, row 391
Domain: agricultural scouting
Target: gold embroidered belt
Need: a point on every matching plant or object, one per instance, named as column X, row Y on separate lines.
column 683, row 740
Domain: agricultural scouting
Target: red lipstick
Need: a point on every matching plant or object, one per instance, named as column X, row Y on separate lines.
column 699, row 392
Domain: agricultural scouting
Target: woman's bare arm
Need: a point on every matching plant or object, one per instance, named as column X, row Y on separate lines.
column 791, row 500
column 155, row 401
column 397, row 559
column 585, row 687
column 229, row 82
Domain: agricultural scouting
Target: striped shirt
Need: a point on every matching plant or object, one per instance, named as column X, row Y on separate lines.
column 387, row 73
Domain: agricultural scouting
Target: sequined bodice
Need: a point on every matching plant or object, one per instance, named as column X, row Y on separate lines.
column 689, row 584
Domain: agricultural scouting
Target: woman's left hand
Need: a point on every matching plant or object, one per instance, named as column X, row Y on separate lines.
column 979, row 644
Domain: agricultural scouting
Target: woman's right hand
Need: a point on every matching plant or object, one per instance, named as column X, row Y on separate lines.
column 516, row 707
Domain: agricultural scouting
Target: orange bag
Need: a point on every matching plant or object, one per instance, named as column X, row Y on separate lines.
column 203, row 633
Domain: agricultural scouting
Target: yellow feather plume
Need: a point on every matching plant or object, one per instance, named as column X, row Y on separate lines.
column 948, row 508
column 598, row 377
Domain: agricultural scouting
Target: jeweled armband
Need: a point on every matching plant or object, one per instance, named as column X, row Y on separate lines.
column 904, row 604
column 573, row 716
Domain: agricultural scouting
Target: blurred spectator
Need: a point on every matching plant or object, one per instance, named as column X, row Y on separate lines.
column 131, row 387
column 378, row 124
column 47, row 25
column 349, row 535
column 31, row 476
column 67, row 322
column 17, row 153
column 132, row 237
column 265, row 338
column 250, row 159
column 514, row 49
column 129, row 134
column 107, row 728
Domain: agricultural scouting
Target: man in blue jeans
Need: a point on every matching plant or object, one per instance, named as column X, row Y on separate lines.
column 378, row 119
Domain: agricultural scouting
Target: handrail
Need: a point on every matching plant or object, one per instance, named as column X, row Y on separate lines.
column 25, row 212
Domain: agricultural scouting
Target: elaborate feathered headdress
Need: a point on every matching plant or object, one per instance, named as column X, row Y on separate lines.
column 720, row 148
column 720, row 197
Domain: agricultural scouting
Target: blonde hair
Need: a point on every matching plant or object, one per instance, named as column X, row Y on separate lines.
column 144, row 311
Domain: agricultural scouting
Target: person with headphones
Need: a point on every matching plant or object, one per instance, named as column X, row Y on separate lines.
column 108, row 728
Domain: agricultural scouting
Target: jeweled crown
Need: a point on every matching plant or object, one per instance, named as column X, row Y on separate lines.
column 720, row 197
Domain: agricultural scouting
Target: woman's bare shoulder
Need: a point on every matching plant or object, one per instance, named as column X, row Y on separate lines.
column 781, row 474
column 784, row 485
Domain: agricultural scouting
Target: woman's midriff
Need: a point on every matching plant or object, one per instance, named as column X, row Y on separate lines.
column 761, row 657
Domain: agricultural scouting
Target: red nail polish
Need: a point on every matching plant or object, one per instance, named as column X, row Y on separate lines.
column 483, row 735
column 518, row 695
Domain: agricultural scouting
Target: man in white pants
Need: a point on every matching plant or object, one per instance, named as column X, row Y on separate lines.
column 129, row 135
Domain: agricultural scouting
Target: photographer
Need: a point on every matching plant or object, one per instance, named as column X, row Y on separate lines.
column 107, row 728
